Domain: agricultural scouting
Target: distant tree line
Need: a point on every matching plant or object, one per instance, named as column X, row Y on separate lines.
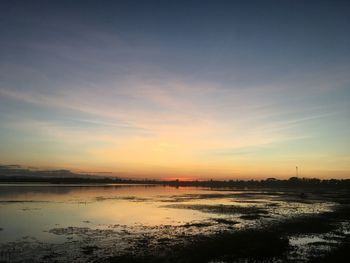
column 268, row 183
column 17, row 174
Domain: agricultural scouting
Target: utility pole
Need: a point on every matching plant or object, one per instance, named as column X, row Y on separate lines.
column 296, row 171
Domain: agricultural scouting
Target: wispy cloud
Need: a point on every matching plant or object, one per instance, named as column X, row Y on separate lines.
column 88, row 93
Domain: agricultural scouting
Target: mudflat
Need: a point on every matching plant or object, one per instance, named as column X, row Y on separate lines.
column 143, row 223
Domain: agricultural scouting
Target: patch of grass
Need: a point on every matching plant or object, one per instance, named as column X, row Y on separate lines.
column 321, row 223
column 88, row 250
column 251, row 217
column 196, row 225
column 224, row 221
column 250, row 244
column 221, row 209
column 340, row 254
column 226, row 246
column 306, row 225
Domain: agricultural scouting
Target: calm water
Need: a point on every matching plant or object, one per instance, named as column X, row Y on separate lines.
column 32, row 210
column 37, row 219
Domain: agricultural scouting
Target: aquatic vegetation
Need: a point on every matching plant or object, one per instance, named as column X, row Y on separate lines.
column 176, row 225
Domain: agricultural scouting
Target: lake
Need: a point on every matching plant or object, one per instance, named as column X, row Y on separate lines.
column 84, row 223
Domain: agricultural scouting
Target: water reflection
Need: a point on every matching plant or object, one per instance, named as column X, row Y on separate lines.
column 41, row 218
column 33, row 210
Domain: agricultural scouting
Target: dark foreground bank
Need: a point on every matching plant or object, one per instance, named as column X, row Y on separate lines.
column 268, row 244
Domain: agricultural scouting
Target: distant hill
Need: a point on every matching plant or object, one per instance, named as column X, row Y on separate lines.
column 20, row 171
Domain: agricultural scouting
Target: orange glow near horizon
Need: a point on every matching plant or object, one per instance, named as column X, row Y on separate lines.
column 132, row 98
column 180, row 179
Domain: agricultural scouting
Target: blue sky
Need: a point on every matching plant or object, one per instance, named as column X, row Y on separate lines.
column 225, row 89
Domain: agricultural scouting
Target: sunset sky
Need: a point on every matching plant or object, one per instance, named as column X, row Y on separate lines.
column 188, row 89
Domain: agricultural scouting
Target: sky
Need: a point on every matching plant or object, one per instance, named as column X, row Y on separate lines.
column 177, row 89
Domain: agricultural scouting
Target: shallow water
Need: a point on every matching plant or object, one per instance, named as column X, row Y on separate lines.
column 118, row 217
column 31, row 210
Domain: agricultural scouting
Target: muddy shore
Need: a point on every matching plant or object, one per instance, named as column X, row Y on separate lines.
column 259, row 226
